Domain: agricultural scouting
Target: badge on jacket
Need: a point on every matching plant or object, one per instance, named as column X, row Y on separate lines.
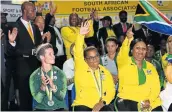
column 149, row 72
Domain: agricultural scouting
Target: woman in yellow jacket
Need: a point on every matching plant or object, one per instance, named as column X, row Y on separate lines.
column 139, row 85
column 93, row 83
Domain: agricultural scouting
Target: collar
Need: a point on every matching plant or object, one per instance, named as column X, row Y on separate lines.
column 123, row 23
column 48, row 71
column 24, row 21
column 143, row 62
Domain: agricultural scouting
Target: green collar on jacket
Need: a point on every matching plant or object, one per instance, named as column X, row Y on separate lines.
column 143, row 63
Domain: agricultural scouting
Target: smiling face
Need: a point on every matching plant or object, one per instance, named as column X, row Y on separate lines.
column 73, row 20
column 92, row 59
column 150, row 51
column 39, row 21
column 139, row 51
column 30, row 12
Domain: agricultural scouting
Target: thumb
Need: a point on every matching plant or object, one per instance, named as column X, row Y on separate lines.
column 131, row 28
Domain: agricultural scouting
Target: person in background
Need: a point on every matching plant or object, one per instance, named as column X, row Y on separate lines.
column 40, row 22
column 109, row 60
column 163, row 50
column 93, row 41
column 11, row 90
column 28, row 38
column 139, row 84
column 121, row 28
column 68, row 69
column 48, row 83
column 106, row 31
column 149, row 57
column 69, row 32
column 147, row 35
column 59, row 44
column 96, row 79
column 166, row 94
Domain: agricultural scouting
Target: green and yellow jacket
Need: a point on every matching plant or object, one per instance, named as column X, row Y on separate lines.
column 134, row 84
column 87, row 92
column 59, row 79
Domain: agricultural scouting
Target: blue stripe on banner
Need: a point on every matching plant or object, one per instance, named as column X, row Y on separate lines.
column 160, row 28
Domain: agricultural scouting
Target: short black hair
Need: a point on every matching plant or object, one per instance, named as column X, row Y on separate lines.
column 40, row 51
column 121, row 12
column 23, row 6
column 133, row 43
column 90, row 48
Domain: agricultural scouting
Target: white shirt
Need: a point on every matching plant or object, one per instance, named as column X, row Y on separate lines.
column 26, row 24
column 59, row 46
column 68, row 69
column 166, row 97
column 109, row 64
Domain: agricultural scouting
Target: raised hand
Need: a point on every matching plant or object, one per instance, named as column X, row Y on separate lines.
column 40, row 8
column 94, row 15
column 130, row 33
column 12, row 35
column 52, row 8
column 2, row 34
column 47, row 35
column 84, row 28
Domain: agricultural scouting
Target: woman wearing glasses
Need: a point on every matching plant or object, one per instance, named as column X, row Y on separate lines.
column 94, row 84
column 139, row 85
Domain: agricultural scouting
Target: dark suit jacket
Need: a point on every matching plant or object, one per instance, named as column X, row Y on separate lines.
column 26, row 62
column 103, row 34
column 118, row 30
column 52, row 31
column 153, row 38
column 93, row 41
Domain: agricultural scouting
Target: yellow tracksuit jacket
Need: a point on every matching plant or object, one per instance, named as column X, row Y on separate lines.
column 86, row 90
column 69, row 35
column 129, row 87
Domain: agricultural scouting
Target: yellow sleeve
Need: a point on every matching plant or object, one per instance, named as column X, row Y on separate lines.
column 91, row 30
column 164, row 61
column 78, row 51
column 110, row 89
column 123, row 54
column 155, row 85
column 68, row 34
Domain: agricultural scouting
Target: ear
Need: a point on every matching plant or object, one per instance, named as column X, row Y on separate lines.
column 41, row 57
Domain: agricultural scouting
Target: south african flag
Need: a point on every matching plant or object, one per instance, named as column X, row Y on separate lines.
column 149, row 16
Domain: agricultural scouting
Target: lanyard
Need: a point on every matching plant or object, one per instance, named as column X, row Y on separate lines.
column 48, row 91
column 98, row 82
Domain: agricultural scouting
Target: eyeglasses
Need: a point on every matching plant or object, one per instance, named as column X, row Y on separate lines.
column 92, row 58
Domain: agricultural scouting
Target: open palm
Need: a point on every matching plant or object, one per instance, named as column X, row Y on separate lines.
column 12, row 35
column 84, row 28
